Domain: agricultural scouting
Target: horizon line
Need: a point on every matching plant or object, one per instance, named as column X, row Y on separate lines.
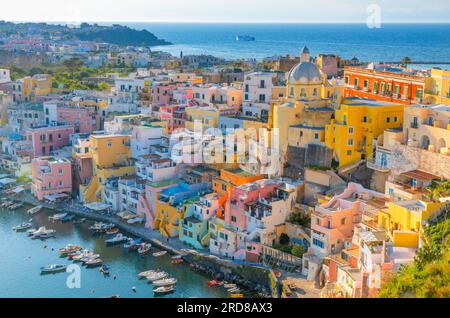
column 223, row 22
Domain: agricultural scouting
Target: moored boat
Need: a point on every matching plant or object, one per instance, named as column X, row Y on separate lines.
column 23, row 227
column 68, row 218
column 213, row 283
column 43, row 233
column 54, row 268
column 158, row 254
column 144, row 248
column 146, row 273
column 164, row 289
column 79, row 257
column 105, row 269
column 118, row 239
column 69, row 249
column 165, row 282
column 133, row 245
column 57, row 217
column 156, row 276
column 112, row 231
column 86, row 259
column 35, row 210
column 94, row 262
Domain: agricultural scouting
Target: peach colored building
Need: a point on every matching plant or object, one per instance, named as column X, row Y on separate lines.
column 51, row 176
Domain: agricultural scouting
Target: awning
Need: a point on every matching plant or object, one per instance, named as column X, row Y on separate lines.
column 420, row 175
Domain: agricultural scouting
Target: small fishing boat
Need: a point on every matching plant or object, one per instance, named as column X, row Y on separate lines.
column 104, row 269
column 135, row 220
column 85, row 254
column 15, row 206
column 112, row 231
column 165, row 282
column 133, row 245
column 156, row 276
column 99, row 227
column 68, row 218
column 245, row 38
column 144, row 248
column 159, row 254
column 94, row 262
column 235, row 290
column 57, row 217
column 177, row 261
column 164, row 289
column 35, row 210
column 69, row 249
column 228, row 286
column 118, row 239
column 146, row 273
column 79, row 221
column 213, row 283
column 22, row 227
column 54, row 268
column 86, row 259
column 31, row 231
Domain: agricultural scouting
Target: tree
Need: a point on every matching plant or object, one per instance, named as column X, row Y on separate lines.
column 73, row 65
column 298, row 250
column 103, row 86
column 405, row 61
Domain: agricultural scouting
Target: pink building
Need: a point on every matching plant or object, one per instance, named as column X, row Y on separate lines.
column 51, row 176
column 235, row 214
column 45, row 140
column 85, row 120
column 163, row 94
column 174, row 115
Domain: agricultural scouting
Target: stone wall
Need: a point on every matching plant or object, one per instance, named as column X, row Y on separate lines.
column 405, row 158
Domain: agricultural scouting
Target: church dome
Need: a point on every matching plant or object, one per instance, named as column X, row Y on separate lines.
column 305, row 73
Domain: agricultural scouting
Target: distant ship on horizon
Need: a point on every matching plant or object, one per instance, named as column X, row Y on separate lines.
column 247, row 38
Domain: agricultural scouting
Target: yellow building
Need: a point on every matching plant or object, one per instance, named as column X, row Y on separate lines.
column 357, row 123
column 207, row 116
column 437, row 87
column 111, row 155
column 403, row 220
column 307, row 105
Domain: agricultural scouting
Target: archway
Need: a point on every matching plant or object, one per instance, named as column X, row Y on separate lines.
column 425, row 143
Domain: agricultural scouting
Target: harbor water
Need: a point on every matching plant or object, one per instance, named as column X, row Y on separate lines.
column 21, row 260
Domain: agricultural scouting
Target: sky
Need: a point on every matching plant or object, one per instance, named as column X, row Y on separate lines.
column 269, row 11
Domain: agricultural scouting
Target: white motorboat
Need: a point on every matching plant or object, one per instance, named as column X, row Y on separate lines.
column 94, row 262
column 69, row 249
column 54, row 268
column 135, row 220
column 57, row 217
column 144, row 248
column 165, row 282
column 35, row 210
column 146, row 273
column 86, row 259
column 22, row 227
column 85, row 254
column 119, row 238
column 42, row 232
column 156, row 276
column 164, row 289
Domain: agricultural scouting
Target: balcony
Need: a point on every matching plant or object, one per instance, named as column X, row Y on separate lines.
column 371, row 164
column 414, row 125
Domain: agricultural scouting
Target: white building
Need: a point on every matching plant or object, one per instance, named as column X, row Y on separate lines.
column 143, row 137
column 257, row 94
column 5, row 76
column 153, row 168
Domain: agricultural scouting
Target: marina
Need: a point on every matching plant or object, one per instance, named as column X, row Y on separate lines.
column 107, row 271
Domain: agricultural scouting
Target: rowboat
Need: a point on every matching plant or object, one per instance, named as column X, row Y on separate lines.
column 22, row 227
column 156, row 276
column 164, row 289
column 158, row 254
column 146, row 273
column 85, row 254
column 86, row 259
column 94, row 262
column 112, row 231
column 35, row 210
column 144, row 248
column 234, row 290
column 54, row 268
column 165, row 282
column 177, row 261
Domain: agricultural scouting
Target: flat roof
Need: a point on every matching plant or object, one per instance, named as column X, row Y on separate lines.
column 355, row 101
column 420, row 175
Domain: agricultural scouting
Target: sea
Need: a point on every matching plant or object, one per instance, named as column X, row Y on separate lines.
column 390, row 42
column 21, row 260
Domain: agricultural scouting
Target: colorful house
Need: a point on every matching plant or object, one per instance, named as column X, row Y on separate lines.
column 111, row 155
column 357, row 124
column 437, row 87
column 172, row 204
column 51, row 176
column 45, row 140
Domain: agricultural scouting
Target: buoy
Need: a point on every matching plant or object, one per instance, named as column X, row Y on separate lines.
column 115, row 277
column 134, row 289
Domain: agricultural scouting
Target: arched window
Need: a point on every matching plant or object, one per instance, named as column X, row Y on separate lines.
column 315, row 92
column 292, row 92
column 303, row 92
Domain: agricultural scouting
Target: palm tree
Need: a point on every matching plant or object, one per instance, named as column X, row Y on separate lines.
column 405, row 61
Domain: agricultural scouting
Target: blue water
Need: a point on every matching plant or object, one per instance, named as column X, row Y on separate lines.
column 392, row 42
column 21, row 259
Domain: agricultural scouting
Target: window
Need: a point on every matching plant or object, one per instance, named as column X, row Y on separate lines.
column 316, row 136
column 303, row 93
column 405, row 91
column 349, row 152
column 292, row 92
column 375, row 87
column 366, row 84
column 346, row 80
column 396, row 119
column 301, row 133
column 318, row 243
column 315, row 92
column 388, row 119
column 343, row 221
column 365, row 119
column 350, row 142
column 233, row 219
column 109, row 143
column 356, row 82
column 350, row 130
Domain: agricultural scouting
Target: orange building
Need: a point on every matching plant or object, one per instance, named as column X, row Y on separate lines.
column 384, row 83
column 229, row 179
